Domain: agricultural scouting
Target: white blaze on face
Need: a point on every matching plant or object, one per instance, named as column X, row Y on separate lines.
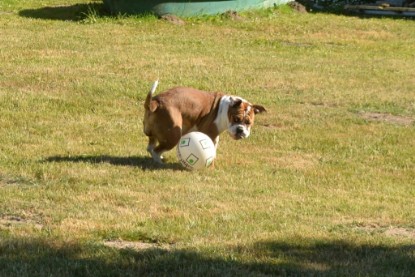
column 247, row 111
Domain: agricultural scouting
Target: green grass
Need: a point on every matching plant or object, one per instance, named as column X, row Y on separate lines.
column 322, row 186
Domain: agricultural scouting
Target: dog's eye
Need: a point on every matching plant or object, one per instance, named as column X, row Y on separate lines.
column 248, row 122
column 236, row 119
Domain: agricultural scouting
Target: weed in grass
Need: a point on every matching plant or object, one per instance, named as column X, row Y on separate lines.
column 91, row 15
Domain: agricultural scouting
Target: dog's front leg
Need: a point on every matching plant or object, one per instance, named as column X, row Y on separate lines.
column 216, row 142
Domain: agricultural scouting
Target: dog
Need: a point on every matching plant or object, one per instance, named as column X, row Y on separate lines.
column 180, row 110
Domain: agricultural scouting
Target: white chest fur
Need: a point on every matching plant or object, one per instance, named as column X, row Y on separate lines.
column 222, row 121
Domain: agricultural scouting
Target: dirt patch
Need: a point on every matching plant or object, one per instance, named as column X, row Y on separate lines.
column 136, row 245
column 400, row 232
column 232, row 15
column 172, row 19
column 385, row 117
column 16, row 222
column 389, row 231
column 8, row 181
column 297, row 7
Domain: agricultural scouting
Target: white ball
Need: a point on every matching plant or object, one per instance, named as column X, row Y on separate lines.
column 196, row 151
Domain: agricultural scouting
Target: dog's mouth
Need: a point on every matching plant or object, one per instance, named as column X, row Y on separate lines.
column 238, row 136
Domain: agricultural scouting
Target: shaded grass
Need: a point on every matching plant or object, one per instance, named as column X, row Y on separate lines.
column 312, row 191
column 328, row 258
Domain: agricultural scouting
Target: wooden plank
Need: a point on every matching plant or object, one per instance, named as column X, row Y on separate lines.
column 379, row 8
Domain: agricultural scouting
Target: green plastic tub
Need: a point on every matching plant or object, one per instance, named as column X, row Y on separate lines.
column 185, row 8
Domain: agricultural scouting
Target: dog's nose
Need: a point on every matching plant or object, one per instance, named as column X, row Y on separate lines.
column 239, row 130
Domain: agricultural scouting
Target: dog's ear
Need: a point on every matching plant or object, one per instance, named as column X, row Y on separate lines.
column 153, row 105
column 258, row 109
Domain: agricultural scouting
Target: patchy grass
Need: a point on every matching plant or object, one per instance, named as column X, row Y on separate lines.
column 324, row 185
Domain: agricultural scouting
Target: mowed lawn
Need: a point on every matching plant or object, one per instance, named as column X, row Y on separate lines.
column 325, row 184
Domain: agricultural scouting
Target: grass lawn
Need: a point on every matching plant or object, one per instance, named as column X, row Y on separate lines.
column 325, row 185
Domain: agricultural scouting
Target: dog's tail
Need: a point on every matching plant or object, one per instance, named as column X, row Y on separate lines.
column 149, row 104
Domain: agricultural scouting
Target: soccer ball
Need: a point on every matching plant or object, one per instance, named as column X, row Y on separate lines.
column 196, row 151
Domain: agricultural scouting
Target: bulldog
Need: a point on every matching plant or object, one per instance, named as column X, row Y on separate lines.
column 180, row 110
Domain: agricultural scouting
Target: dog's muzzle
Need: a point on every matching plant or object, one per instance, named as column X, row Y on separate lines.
column 239, row 132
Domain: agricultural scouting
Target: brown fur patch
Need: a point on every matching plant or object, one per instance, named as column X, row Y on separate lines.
column 241, row 113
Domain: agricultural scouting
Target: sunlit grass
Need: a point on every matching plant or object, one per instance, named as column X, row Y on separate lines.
column 322, row 186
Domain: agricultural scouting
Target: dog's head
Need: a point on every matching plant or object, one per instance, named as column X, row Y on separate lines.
column 241, row 115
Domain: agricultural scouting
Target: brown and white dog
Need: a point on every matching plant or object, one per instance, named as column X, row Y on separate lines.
column 180, row 110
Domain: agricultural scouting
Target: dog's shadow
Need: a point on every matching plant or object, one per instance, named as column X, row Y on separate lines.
column 145, row 163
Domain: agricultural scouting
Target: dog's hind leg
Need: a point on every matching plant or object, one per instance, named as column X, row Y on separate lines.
column 152, row 141
column 174, row 137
